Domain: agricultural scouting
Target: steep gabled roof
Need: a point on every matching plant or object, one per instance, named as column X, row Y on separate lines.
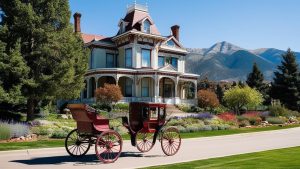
column 134, row 19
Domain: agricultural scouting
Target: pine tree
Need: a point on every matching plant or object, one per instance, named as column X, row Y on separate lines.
column 13, row 71
column 55, row 56
column 286, row 82
column 220, row 93
column 255, row 78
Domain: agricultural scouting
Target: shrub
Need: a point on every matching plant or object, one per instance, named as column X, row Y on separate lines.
column 202, row 116
column 253, row 117
column 219, row 109
column 227, row 116
column 264, row 115
column 4, row 132
column 108, row 94
column 59, row 133
column 122, row 106
column 244, row 123
column 255, row 120
column 16, row 129
column 102, row 106
column 278, row 110
column 207, row 99
column 275, row 120
column 196, row 109
column 42, row 130
column 224, row 127
column 241, row 118
column 184, row 107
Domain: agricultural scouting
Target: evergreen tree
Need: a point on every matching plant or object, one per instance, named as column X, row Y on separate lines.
column 255, row 78
column 220, row 93
column 286, row 82
column 54, row 55
column 13, row 71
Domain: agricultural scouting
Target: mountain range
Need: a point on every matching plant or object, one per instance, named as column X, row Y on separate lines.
column 225, row 61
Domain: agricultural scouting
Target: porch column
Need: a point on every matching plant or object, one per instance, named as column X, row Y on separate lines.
column 156, row 88
column 195, row 83
column 88, row 88
column 176, row 98
column 96, row 79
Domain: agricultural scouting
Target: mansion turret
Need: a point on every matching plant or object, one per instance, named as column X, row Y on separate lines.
column 145, row 64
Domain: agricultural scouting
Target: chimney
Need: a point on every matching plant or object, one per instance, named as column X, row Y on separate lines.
column 175, row 31
column 77, row 17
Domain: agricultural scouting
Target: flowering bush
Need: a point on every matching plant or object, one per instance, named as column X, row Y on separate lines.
column 253, row 117
column 251, row 114
column 227, row 116
column 201, row 116
column 15, row 129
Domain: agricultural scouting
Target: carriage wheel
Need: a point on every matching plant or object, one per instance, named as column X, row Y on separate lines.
column 108, row 146
column 144, row 141
column 170, row 141
column 76, row 145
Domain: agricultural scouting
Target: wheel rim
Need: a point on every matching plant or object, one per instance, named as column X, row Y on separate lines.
column 170, row 141
column 77, row 145
column 144, row 141
column 108, row 146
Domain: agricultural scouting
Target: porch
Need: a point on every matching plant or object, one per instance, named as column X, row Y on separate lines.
column 160, row 88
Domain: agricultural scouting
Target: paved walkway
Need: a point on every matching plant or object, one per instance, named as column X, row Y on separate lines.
column 191, row 149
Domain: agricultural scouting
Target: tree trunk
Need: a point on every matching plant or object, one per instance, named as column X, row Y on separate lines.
column 30, row 108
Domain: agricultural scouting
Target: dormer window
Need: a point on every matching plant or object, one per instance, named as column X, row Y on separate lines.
column 171, row 43
column 146, row 26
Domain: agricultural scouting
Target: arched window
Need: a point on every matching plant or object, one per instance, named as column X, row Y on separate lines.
column 146, row 26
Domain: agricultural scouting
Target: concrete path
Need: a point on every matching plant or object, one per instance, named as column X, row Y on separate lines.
column 191, row 149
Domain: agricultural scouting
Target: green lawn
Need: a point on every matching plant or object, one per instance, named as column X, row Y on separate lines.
column 233, row 131
column 60, row 142
column 31, row 145
column 272, row 159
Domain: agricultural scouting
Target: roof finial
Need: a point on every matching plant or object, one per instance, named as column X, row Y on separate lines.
column 147, row 4
column 134, row 2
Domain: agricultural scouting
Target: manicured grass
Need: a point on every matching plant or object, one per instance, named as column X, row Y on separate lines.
column 31, row 145
column 60, row 142
column 233, row 131
column 280, row 158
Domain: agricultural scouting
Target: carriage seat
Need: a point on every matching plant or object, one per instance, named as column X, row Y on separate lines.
column 87, row 119
column 101, row 124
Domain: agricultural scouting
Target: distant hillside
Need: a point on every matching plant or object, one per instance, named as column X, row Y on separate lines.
column 225, row 61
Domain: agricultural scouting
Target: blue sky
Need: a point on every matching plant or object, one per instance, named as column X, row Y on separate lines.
column 249, row 24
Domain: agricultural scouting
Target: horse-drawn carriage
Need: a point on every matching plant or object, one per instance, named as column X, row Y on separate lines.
column 146, row 123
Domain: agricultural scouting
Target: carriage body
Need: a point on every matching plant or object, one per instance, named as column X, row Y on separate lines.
column 147, row 123
column 148, row 117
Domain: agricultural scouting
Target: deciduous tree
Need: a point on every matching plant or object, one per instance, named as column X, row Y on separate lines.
column 207, row 99
column 108, row 94
column 236, row 98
